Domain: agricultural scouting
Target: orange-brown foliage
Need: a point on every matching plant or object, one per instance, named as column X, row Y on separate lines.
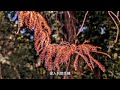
column 52, row 55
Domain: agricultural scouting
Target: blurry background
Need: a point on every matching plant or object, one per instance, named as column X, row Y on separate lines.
column 18, row 56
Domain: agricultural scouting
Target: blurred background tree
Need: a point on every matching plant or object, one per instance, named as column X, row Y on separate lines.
column 18, row 56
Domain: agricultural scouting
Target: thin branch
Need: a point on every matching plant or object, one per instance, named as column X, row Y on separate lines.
column 115, row 24
column 117, row 13
column 102, row 53
column 68, row 14
column 82, row 23
column 18, row 31
column 65, row 76
column 115, row 16
column 16, row 71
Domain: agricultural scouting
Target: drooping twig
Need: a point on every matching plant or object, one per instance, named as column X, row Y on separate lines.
column 82, row 23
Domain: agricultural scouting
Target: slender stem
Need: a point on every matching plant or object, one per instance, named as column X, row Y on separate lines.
column 115, row 16
column 18, row 31
column 68, row 14
column 117, row 13
column 16, row 71
column 65, row 76
column 109, row 12
column 82, row 23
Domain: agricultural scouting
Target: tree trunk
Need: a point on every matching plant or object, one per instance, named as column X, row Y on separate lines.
column 70, row 25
